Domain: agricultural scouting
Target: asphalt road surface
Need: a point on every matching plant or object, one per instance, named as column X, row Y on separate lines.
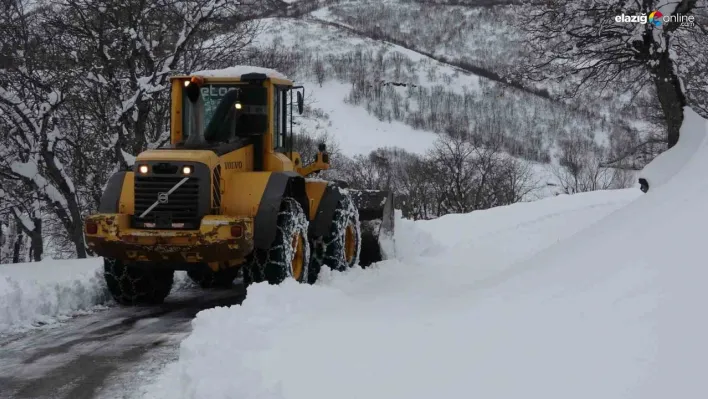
column 105, row 354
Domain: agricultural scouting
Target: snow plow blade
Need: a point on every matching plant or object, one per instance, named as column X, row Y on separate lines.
column 376, row 216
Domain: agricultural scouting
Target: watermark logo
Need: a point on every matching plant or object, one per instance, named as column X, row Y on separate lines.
column 657, row 19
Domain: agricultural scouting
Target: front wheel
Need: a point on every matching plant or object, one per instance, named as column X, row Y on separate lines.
column 289, row 254
column 134, row 284
column 341, row 247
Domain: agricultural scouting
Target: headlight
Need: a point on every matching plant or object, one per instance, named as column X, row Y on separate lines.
column 187, row 170
column 143, row 169
column 238, row 106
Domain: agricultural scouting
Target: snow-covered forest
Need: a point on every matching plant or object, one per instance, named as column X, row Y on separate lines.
column 517, row 100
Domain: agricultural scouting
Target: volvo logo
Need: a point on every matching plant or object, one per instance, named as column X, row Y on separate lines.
column 163, row 197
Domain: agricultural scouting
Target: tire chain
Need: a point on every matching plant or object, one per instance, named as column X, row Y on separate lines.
column 291, row 219
column 330, row 250
column 145, row 285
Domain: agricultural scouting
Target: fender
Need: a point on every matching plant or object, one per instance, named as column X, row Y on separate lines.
column 325, row 211
column 280, row 184
column 111, row 193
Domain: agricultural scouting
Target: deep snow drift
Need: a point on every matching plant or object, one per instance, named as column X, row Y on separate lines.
column 597, row 295
column 507, row 308
column 41, row 293
column 399, row 329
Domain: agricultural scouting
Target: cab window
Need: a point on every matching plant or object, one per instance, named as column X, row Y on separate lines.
column 225, row 111
column 279, row 118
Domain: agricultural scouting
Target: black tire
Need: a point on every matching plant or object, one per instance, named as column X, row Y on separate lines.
column 207, row 278
column 275, row 264
column 137, row 285
column 341, row 247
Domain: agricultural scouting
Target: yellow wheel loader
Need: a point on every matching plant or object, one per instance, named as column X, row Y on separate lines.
column 229, row 197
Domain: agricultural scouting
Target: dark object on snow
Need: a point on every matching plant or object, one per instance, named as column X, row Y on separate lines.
column 643, row 185
column 376, row 215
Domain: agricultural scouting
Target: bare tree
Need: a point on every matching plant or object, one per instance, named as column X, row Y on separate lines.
column 11, row 237
column 454, row 158
column 318, row 68
column 581, row 168
column 456, row 176
column 583, row 43
column 36, row 82
column 127, row 52
column 84, row 87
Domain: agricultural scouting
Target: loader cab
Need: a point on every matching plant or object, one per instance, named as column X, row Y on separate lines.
column 225, row 114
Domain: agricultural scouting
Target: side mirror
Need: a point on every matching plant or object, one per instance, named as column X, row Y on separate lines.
column 323, row 150
column 300, row 102
column 192, row 88
column 192, row 93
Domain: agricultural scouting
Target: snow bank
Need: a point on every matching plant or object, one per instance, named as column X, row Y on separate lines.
column 564, row 212
column 403, row 328
column 632, row 300
column 238, row 71
column 44, row 293
column 40, row 293
column 670, row 162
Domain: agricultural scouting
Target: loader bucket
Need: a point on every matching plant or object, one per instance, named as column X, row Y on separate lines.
column 376, row 216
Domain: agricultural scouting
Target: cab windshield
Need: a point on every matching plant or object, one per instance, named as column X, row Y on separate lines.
column 225, row 112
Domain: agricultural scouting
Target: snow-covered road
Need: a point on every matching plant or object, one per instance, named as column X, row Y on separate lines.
column 115, row 352
column 106, row 354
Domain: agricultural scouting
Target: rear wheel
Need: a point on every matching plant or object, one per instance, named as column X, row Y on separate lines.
column 132, row 284
column 341, row 247
column 289, row 254
column 207, row 278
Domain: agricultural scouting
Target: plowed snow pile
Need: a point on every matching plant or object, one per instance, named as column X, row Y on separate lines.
column 41, row 293
column 599, row 295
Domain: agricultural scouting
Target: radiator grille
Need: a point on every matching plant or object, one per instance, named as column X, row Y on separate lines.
column 181, row 209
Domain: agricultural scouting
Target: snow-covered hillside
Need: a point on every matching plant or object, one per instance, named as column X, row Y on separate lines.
column 365, row 92
column 358, row 132
column 588, row 296
column 354, row 52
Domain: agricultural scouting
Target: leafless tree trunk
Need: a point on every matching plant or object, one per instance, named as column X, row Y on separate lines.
column 583, row 40
column 17, row 248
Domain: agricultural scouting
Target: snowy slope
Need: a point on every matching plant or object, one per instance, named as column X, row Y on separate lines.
column 355, row 130
column 445, row 319
column 611, row 311
column 358, row 132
